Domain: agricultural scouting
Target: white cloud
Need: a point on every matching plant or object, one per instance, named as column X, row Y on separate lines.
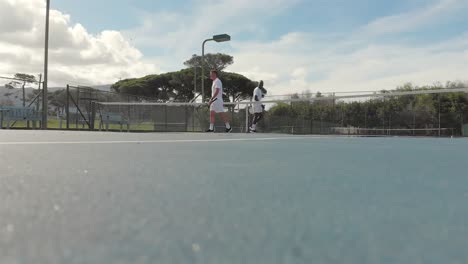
column 358, row 60
column 299, row 61
column 75, row 56
column 181, row 34
column 410, row 21
column 368, row 67
column 12, row 19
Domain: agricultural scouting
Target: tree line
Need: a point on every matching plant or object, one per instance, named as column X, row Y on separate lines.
column 185, row 84
column 421, row 111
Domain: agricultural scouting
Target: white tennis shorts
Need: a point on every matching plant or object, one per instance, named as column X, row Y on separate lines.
column 257, row 108
column 217, row 107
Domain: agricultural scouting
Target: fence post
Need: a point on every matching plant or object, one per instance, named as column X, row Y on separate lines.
column 193, row 110
column 77, row 107
column 67, row 107
column 165, row 117
column 93, row 115
column 438, row 98
column 247, row 108
column 186, row 118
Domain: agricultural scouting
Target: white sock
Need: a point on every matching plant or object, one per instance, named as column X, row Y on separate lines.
column 254, row 126
column 228, row 126
column 211, row 126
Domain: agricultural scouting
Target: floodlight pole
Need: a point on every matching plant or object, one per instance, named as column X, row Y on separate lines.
column 203, row 69
column 45, row 106
column 217, row 38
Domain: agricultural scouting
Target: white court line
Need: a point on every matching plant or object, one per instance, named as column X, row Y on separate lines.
column 157, row 141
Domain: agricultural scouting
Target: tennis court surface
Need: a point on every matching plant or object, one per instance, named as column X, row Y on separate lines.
column 94, row 197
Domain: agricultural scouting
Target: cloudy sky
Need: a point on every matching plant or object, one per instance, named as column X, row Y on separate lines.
column 293, row 45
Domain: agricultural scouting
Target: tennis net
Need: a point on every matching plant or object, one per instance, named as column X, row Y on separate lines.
column 391, row 113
